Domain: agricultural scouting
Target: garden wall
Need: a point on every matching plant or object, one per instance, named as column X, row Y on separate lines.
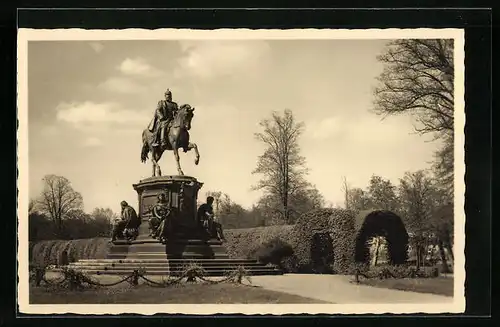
column 243, row 243
column 51, row 252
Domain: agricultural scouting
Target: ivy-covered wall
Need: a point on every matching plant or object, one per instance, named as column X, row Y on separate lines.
column 339, row 223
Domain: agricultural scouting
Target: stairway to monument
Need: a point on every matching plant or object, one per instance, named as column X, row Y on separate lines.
column 169, row 259
column 173, row 267
column 187, row 247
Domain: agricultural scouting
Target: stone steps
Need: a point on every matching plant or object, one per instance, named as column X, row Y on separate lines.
column 162, row 265
column 159, row 255
column 212, row 267
column 166, row 261
column 211, row 273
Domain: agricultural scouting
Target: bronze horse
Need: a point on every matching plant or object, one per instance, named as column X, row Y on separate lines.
column 177, row 138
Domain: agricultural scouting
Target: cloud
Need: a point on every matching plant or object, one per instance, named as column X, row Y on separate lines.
column 96, row 113
column 122, row 85
column 324, row 129
column 209, row 59
column 92, row 142
column 96, row 46
column 138, row 67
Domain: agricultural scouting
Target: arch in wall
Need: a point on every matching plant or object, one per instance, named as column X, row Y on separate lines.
column 322, row 252
column 338, row 224
column 389, row 225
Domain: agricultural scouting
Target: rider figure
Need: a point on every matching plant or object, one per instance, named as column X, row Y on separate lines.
column 164, row 114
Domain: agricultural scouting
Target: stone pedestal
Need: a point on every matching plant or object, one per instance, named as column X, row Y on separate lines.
column 189, row 241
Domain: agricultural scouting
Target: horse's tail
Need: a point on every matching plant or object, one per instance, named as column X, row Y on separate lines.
column 144, row 150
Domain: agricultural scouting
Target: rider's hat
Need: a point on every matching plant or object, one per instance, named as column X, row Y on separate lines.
column 168, row 92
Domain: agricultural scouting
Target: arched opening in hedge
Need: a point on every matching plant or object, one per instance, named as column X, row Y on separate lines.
column 339, row 225
column 322, row 253
column 388, row 225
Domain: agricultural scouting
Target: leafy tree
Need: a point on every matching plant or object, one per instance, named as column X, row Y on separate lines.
column 233, row 215
column 306, row 200
column 281, row 166
column 217, row 197
column 359, row 200
column 382, row 194
column 40, row 227
column 443, row 220
column 104, row 214
column 58, row 200
column 269, row 207
column 420, row 198
column 103, row 219
column 443, row 166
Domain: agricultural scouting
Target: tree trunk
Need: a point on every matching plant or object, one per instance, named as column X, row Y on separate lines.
column 444, row 262
column 418, row 251
column 376, row 251
column 450, row 250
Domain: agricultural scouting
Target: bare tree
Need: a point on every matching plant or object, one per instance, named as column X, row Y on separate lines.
column 418, row 79
column 281, row 166
column 345, row 189
column 58, row 199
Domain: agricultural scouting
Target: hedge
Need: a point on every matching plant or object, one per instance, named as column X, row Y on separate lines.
column 335, row 222
column 245, row 242
column 52, row 252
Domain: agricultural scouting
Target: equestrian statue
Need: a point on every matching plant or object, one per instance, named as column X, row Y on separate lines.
column 168, row 130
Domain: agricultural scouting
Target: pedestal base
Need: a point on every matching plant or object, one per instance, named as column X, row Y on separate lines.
column 175, row 249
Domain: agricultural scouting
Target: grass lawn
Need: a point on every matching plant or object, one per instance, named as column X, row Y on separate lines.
column 441, row 286
column 180, row 294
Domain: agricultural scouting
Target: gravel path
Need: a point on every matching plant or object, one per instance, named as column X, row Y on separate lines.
column 338, row 289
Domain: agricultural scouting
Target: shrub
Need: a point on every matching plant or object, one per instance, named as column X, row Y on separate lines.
column 339, row 225
column 401, row 271
column 274, row 251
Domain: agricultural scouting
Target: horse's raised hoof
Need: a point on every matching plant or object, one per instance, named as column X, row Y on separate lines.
column 197, row 160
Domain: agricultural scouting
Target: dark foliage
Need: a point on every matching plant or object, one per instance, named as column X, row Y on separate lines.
column 322, row 252
column 389, row 225
column 274, row 251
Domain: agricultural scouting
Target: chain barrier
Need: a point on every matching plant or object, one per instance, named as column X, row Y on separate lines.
column 76, row 279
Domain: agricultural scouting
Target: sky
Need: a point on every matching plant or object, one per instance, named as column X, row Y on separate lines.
column 89, row 102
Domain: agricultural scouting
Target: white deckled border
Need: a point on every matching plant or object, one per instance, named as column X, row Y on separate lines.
column 26, row 35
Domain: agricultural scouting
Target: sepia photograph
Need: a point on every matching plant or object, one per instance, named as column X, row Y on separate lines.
column 241, row 171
